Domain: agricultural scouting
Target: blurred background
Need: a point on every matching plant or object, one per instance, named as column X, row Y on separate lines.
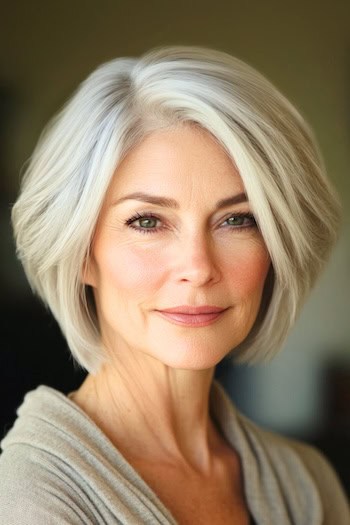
column 48, row 48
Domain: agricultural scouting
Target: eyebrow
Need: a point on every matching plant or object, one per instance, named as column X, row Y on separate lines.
column 167, row 202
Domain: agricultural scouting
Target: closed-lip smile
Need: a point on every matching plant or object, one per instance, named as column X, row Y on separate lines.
column 192, row 316
column 193, row 310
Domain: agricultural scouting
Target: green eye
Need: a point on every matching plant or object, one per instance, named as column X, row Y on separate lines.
column 147, row 222
column 235, row 221
column 144, row 223
column 240, row 220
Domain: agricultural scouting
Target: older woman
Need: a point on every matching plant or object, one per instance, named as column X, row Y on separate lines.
column 175, row 213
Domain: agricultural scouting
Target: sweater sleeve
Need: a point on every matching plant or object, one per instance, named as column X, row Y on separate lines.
column 335, row 503
column 33, row 492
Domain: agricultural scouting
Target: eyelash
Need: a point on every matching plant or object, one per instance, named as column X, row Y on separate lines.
column 150, row 215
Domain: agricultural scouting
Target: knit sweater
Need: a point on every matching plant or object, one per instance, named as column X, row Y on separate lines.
column 58, row 467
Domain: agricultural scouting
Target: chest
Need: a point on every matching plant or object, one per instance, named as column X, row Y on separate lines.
column 190, row 499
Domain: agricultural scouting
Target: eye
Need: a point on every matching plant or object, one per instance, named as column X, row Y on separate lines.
column 147, row 222
column 241, row 220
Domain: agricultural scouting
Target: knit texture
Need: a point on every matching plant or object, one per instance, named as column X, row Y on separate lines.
column 58, row 467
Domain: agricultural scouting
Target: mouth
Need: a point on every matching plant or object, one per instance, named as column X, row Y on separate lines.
column 192, row 316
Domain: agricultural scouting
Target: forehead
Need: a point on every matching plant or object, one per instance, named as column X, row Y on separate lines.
column 186, row 159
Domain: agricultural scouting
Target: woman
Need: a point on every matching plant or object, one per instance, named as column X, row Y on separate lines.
column 175, row 213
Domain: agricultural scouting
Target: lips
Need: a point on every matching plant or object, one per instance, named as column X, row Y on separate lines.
column 193, row 310
column 192, row 316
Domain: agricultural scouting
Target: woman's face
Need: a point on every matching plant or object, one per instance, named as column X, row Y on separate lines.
column 189, row 248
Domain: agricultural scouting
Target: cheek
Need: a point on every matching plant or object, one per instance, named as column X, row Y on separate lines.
column 247, row 273
column 130, row 269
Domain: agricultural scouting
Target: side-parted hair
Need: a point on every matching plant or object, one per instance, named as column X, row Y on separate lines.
column 120, row 103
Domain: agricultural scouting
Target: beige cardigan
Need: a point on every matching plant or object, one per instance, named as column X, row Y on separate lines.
column 57, row 467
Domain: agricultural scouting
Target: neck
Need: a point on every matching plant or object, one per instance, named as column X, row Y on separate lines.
column 149, row 410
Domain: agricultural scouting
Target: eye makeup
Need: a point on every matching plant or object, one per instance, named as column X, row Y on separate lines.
column 235, row 221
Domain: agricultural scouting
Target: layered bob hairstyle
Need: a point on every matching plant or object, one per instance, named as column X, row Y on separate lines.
column 120, row 103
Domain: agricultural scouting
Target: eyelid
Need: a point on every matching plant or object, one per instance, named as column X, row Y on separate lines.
column 146, row 214
column 143, row 215
column 239, row 213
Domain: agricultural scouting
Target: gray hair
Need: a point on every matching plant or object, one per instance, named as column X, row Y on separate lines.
column 120, row 103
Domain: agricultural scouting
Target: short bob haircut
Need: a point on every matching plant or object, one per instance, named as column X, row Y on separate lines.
column 120, row 103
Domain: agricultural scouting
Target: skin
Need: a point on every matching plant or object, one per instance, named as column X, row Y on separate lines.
column 152, row 397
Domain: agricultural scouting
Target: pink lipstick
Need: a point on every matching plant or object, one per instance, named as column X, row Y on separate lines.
column 191, row 315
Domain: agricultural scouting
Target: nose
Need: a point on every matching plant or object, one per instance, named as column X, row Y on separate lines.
column 197, row 260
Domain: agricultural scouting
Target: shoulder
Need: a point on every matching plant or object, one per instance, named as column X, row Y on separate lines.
column 333, row 498
column 285, row 480
column 35, row 490
column 37, row 486
column 58, row 467
column 299, row 463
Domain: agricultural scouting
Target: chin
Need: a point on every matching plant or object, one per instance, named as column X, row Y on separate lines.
column 187, row 359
